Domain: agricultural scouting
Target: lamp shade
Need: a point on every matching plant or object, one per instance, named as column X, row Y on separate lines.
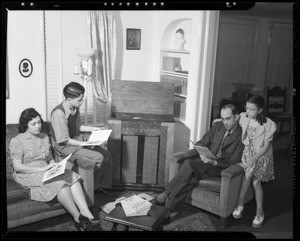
column 85, row 53
column 243, row 88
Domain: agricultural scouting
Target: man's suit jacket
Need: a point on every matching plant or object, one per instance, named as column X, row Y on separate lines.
column 232, row 150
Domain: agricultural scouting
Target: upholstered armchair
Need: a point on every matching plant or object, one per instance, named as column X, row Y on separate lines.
column 217, row 195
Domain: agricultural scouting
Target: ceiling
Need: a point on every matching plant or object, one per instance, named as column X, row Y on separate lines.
column 268, row 10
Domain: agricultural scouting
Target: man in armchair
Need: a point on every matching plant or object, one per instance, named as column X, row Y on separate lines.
column 224, row 141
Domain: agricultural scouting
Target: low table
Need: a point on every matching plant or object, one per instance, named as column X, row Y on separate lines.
column 152, row 222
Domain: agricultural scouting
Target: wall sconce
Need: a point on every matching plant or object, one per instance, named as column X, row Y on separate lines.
column 84, row 67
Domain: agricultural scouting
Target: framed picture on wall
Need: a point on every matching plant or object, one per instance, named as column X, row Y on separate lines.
column 133, row 39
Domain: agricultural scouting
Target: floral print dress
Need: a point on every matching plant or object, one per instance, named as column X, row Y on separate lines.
column 35, row 151
column 263, row 169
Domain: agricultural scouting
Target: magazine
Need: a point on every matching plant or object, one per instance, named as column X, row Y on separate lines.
column 97, row 138
column 204, row 151
column 57, row 170
column 135, row 206
column 108, row 207
column 146, row 196
column 111, row 205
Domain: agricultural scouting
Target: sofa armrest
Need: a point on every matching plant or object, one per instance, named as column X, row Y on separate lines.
column 87, row 175
column 85, row 169
column 85, row 164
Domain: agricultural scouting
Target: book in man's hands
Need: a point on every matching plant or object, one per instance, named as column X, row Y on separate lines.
column 135, row 206
column 57, row 170
column 204, row 151
column 97, row 138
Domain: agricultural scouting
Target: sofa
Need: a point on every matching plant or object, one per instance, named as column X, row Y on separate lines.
column 217, row 195
column 20, row 209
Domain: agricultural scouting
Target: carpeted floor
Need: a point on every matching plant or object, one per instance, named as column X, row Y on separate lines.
column 278, row 205
column 188, row 215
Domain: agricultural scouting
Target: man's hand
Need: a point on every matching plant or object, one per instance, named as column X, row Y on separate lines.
column 207, row 160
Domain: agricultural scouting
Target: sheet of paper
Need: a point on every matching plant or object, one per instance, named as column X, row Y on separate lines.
column 111, row 205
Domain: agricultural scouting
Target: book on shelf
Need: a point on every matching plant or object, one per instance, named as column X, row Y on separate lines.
column 97, row 138
column 56, row 170
column 204, row 151
column 135, row 206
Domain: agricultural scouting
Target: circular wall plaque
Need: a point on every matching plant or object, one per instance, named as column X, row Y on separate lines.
column 25, row 68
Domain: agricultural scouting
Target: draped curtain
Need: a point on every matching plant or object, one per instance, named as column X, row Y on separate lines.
column 102, row 27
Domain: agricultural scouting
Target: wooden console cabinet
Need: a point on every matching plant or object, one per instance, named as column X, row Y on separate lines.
column 141, row 142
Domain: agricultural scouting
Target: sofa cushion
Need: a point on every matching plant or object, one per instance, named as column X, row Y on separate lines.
column 15, row 191
column 212, row 183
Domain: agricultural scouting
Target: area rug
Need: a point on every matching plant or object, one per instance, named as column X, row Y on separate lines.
column 185, row 218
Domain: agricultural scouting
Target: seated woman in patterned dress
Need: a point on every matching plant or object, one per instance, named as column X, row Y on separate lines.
column 31, row 158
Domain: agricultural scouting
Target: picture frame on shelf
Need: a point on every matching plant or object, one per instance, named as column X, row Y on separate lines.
column 133, row 39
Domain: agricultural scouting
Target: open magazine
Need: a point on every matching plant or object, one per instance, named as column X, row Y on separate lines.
column 97, row 138
column 57, row 170
column 108, row 207
column 204, row 151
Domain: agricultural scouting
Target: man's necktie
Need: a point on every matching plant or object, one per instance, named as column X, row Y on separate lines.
column 219, row 154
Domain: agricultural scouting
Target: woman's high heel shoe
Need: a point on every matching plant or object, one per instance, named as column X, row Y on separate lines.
column 87, row 222
column 79, row 226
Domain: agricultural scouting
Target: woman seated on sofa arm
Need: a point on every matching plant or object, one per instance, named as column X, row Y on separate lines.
column 31, row 157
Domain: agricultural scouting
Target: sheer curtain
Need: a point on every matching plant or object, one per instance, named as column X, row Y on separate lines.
column 102, row 26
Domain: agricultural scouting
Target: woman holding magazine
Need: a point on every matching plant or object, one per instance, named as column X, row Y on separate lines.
column 31, row 157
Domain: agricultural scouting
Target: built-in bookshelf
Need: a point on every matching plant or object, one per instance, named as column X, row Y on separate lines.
column 174, row 69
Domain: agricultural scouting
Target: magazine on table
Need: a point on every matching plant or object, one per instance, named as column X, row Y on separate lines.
column 205, row 152
column 135, row 206
column 108, row 207
column 146, row 196
column 56, row 170
column 97, row 138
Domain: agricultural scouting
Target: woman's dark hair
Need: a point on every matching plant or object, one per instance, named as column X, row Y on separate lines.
column 26, row 116
column 259, row 101
column 73, row 90
column 180, row 30
column 232, row 107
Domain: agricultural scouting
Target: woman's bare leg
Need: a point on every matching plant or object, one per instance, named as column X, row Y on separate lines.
column 65, row 198
column 80, row 201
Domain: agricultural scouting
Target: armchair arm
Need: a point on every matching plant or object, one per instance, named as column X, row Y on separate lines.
column 230, row 187
column 232, row 171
